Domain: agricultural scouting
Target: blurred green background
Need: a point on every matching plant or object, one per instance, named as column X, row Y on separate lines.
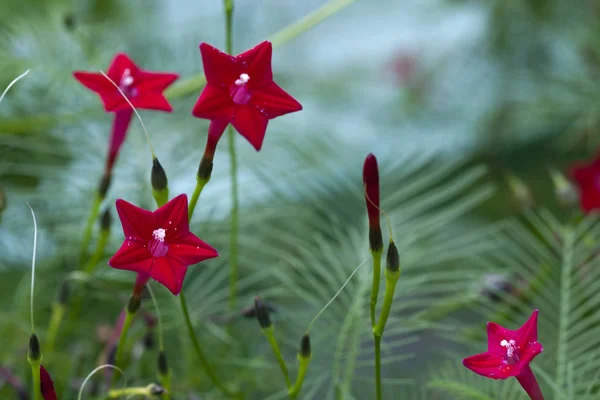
column 453, row 97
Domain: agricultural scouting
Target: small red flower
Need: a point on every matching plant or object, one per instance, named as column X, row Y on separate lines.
column 159, row 243
column 47, row 385
column 143, row 88
column 587, row 177
column 240, row 90
column 509, row 354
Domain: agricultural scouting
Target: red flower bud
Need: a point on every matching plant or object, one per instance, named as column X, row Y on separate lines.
column 371, row 184
column 47, row 385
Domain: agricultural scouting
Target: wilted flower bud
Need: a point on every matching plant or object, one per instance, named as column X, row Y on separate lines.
column 35, row 353
column 262, row 313
column 158, row 178
column 393, row 258
column 205, row 168
column 371, row 184
column 305, row 350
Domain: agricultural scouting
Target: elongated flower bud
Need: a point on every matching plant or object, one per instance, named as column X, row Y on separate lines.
column 63, row 292
column 305, row 349
column 158, row 178
column 371, row 185
column 163, row 365
column 262, row 313
column 34, row 354
column 106, row 220
column 393, row 258
column 104, row 185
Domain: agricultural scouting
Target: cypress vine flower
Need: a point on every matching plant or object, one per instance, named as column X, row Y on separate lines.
column 159, row 243
column 509, row 354
column 587, row 177
column 240, row 90
column 47, row 385
column 142, row 88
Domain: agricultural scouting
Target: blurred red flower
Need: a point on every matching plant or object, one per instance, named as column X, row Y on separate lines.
column 240, row 90
column 159, row 243
column 587, row 177
column 47, row 385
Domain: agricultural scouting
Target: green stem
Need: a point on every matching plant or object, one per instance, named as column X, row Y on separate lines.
column 87, row 234
column 37, row 383
column 58, row 311
column 391, row 278
column 270, row 334
column 130, row 392
column 302, row 368
column 377, row 340
column 98, row 253
column 195, row 196
column 199, row 352
column 233, row 244
column 121, row 345
column 376, row 278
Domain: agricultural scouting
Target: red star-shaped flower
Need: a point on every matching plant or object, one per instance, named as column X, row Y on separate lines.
column 143, row 88
column 47, row 386
column 159, row 243
column 587, row 177
column 240, row 90
column 509, row 354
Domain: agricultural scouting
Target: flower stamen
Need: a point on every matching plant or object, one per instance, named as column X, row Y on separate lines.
column 511, row 348
column 244, row 78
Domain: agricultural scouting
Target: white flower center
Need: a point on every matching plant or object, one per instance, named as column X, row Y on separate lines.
column 511, row 348
column 126, row 79
column 244, row 78
column 159, row 234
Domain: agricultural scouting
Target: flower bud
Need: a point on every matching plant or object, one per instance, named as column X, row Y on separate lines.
column 305, row 350
column 262, row 313
column 371, row 187
column 163, row 365
column 35, row 353
column 106, row 220
column 158, row 178
column 104, row 185
column 149, row 339
column 134, row 304
column 393, row 258
column 63, row 292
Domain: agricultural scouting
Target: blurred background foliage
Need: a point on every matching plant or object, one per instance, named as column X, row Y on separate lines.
column 454, row 97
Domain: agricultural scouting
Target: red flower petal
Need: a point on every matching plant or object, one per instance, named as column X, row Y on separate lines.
column 496, row 334
column 528, row 332
column 94, row 81
column 256, row 62
column 273, row 101
column 119, row 64
column 214, row 104
column 169, row 272
column 251, row 124
column 47, row 386
column 530, row 352
column 155, row 81
column 189, row 250
column 137, row 222
column 173, row 217
column 151, row 101
column 491, row 366
column 371, row 183
column 220, row 68
column 132, row 256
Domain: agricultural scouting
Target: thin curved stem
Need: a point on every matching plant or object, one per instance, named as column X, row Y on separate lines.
column 270, row 334
column 37, row 382
column 195, row 196
column 121, row 344
column 199, row 353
